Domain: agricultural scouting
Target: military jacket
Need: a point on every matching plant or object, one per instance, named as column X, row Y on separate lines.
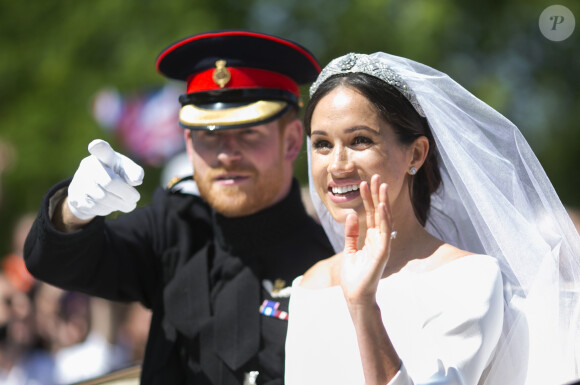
column 218, row 287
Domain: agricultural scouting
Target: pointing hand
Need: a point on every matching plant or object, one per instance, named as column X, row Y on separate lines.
column 104, row 182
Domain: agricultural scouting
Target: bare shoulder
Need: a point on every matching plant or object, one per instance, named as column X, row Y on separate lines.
column 322, row 274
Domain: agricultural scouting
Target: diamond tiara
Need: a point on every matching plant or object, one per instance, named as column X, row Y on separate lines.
column 361, row 63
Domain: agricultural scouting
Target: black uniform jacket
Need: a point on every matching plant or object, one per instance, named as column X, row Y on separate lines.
column 201, row 273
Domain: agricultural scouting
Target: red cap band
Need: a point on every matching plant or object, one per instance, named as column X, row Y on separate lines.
column 242, row 78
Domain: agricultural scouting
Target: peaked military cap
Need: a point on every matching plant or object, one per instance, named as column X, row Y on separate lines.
column 237, row 78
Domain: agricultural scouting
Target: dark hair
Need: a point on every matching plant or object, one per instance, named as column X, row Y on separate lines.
column 408, row 125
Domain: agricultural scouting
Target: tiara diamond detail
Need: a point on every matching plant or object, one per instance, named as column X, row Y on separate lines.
column 347, row 62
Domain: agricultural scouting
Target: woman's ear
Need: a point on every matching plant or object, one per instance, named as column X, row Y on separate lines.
column 293, row 138
column 419, row 150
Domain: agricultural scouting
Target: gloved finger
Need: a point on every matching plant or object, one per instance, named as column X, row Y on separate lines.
column 130, row 171
column 122, row 190
column 85, row 196
column 99, row 202
column 83, row 187
column 114, row 202
column 103, row 151
column 92, row 172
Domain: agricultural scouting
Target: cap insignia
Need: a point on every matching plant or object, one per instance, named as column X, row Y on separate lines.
column 221, row 76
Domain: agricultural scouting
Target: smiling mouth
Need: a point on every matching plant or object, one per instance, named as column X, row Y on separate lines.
column 344, row 190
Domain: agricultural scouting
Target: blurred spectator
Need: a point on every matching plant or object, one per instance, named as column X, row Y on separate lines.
column 46, row 304
column 21, row 362
column 81, row 353
column 132, row 332
column 22, row 357
column 83, row 349
column 50, row 336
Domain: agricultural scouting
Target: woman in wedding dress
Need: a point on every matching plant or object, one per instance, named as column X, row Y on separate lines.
column 456, row 262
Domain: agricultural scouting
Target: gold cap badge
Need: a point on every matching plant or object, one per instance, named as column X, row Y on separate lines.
column 221, row 76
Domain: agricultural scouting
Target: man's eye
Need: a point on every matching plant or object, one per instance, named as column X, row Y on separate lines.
column 208, row 134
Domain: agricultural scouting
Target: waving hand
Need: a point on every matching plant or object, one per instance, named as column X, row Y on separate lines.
column 362, row 269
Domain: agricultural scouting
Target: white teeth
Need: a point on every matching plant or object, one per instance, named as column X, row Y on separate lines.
column 344, row 189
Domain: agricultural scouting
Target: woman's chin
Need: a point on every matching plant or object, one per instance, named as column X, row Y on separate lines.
column 339, row 215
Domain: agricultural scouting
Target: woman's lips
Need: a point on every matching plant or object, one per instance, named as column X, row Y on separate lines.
column 344, row 192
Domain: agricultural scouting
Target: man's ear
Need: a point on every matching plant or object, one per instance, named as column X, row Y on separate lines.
column 293, row 138
column 188, row 143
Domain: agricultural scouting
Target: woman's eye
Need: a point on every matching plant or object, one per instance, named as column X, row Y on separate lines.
column 362, row 140
column 320, row 144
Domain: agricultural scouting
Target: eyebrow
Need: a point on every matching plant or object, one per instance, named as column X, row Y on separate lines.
column 347, row 131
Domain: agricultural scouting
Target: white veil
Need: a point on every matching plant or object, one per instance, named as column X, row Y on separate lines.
column 495, row 199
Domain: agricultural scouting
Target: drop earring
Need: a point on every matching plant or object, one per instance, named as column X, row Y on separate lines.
column 412, row 170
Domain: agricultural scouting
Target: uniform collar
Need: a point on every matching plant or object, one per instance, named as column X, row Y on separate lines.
column 257, row 233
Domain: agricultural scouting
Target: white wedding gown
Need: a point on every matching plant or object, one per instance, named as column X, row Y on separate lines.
column 444, row 324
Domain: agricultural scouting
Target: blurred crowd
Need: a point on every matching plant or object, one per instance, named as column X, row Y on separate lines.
column 50, row 336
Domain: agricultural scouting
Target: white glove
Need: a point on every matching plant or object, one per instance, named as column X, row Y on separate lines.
column 104, row 182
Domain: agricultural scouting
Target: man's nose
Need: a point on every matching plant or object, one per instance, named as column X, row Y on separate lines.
column 229, row 150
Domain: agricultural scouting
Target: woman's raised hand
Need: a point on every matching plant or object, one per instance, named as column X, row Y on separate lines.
column 362, row 269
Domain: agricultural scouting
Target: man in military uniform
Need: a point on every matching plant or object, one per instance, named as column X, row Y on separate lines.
column 214, row 268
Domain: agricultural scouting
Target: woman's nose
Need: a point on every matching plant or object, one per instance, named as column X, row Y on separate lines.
column 340, row 163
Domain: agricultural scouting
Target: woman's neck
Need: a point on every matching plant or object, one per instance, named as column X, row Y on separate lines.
column 413, row 242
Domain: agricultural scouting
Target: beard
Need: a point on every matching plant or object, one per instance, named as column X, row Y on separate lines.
column 254, row 195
